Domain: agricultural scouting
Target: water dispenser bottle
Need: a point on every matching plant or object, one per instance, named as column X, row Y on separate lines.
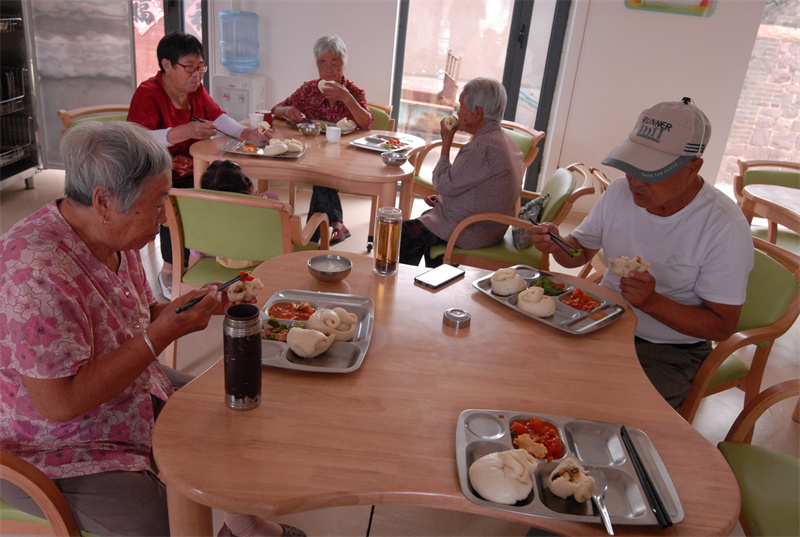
column 239, row 41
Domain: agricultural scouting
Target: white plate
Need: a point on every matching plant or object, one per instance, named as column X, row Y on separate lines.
column 345, row 130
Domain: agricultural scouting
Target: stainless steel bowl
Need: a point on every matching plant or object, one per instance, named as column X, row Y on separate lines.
column 394, row 158
column 310, row 129
column 329, row 268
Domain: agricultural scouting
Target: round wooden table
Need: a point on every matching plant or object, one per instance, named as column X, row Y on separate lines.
column 778, row 204
column 335, row 165
column 385, row 433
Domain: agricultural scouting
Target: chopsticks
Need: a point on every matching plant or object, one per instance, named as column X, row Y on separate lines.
column 220, row 288
column 662, row 516
column 564, row 245
column 197, row 119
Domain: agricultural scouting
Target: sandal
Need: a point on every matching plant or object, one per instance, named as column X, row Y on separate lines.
column 339, row 235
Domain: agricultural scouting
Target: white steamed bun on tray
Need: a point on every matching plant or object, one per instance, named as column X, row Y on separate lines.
column 336, row 322
column 533, row 300
column 503, row 476
column 506, row 282
column 308, row 343
column 570, row 479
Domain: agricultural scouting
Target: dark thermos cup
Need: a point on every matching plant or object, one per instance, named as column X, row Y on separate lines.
column 242, row 338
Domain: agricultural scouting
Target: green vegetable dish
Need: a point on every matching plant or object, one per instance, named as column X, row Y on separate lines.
column 550, row 287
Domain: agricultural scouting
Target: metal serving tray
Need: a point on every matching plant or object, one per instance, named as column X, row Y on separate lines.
column 232, row 146
column 566, row 317
column 322, row 123
column 342, row 356
column 597, row 445
column 373, row 142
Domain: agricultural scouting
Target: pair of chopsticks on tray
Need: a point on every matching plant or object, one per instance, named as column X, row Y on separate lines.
column 647, row 484
column 220, row 288
column 197, row 119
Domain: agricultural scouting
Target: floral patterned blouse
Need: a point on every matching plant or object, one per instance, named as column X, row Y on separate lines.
column 310, row 101
column 61, row 308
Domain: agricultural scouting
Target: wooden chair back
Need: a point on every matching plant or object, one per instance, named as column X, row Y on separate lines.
column 46, row 495
column 768, row 479
column 770, row 309
column 565, row 187
column 103, row 112
column 383, row 116
column 231, row 225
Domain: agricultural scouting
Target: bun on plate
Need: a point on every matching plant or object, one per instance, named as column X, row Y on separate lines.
column 533, row 300
column 623, row 265
column 503, row 476
column 308, row 343
column 338, row 322
column 346, row 123
column 506, row 282
column 570, row 479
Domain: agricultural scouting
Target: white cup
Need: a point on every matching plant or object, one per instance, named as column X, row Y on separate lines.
column 333, row 133
column 255, row 119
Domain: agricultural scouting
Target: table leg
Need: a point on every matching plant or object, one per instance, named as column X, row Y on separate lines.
column 200, row 166
column 748, row 208
column 406, row 197
column 187, row 517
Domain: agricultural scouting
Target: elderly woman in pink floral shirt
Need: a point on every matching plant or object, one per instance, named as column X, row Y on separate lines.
column 80, row 332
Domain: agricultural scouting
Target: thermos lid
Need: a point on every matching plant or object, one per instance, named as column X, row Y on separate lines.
column 456, row 318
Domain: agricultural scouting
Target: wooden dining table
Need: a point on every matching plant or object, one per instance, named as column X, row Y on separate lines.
column 778, row 204
column 332, row 164
column 386, row 432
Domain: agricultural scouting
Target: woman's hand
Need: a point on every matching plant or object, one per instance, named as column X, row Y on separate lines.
column 291, row 113
column 194, row 130
column 256, row 135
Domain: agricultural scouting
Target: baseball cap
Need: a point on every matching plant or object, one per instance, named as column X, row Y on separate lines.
column 665, row 138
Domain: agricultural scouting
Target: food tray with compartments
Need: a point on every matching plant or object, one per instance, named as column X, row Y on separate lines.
column 598, row 446
column 235, row 146
column 377, row 142
column 342, row 356
column 566, row 317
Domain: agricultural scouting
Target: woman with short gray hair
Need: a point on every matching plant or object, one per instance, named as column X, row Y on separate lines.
column 82, row 331
column 487, row 93
column 331, row 97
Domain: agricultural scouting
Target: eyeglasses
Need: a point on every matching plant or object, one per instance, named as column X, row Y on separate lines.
column 192, row 69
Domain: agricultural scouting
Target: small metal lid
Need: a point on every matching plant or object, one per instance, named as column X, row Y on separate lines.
column 456, row 318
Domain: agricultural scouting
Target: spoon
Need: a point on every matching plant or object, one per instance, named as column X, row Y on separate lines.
column 599, row 492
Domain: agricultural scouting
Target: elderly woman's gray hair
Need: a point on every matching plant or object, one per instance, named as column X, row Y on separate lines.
column 330, row 43
column 117, row 155
column 487, row 93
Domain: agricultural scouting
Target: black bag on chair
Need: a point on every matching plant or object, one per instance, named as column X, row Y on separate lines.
column 531, row 211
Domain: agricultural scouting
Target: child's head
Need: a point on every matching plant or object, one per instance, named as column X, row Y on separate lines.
column 227, row 176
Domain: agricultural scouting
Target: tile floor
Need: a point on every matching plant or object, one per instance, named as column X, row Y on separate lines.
column 776, row 430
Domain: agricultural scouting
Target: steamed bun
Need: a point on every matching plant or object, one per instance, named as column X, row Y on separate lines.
column 322, row 85
column 503, row 476
column 451, row 122
column 308, row 343
column 533, row 300
column 623, row 265
column 570, row 479
column 506, row 282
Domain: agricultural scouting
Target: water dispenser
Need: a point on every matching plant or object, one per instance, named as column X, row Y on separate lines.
column 239, row 41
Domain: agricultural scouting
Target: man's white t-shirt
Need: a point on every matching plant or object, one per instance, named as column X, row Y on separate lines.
column 702, row 252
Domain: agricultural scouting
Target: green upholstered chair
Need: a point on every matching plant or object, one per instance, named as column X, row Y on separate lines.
column 770, row 309
column 59, row 518
column 527, row 141
column 769, row 172
column 565, row 186
column 383, row 116
column 231, row 225
column 769, row 481
column 105, row 112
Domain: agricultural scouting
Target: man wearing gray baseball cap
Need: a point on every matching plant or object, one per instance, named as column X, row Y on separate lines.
column 678, row 249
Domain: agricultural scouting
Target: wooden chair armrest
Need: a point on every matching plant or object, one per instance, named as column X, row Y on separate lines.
column 301, row 235
column 42, row 490
column 482, row 217
column 742, row 428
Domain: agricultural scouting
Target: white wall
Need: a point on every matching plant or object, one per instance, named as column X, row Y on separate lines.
column 288, row 30
column 620, row 61
column 617, row 62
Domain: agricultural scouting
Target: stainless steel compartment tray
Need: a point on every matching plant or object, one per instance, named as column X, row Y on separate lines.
column 599, row 448
column 232, row 146
column 342, row 356
column 566, row 317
